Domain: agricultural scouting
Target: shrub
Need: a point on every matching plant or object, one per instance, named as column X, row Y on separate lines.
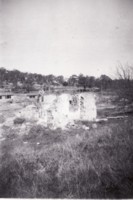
column 19, row 120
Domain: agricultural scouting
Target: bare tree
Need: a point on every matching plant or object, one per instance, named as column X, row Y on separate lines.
column 125, row 72
column 125, row 81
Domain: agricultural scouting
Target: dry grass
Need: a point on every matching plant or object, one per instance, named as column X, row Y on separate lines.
column 75, row 163
column 2, row 119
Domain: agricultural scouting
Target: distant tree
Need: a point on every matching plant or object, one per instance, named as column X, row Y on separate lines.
column 82, row 81
column 124, row 81
column 125, row 72
column 105, row 81
column 60, row 79
column 2, row 75
column 50, row 79
column 125, row 75
column 90, row 81
column 73, row 80
column 65, row 83
column 27, row 87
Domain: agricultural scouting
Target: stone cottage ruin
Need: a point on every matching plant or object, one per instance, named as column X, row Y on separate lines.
column 58, row 110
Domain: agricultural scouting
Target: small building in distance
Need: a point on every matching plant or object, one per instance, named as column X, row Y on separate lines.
column 6, row 95
column 32, row 95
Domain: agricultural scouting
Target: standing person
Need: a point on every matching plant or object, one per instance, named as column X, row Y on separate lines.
column 40, row 99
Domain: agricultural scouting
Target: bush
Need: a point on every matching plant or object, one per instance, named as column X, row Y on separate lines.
column 19, row 120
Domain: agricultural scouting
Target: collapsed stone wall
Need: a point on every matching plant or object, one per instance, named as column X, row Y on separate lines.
column 59, row 110
column 88, row 110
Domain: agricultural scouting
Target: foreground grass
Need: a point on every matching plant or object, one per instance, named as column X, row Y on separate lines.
column 75, row 163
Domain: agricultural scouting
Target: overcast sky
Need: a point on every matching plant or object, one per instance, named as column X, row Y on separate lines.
column 66, row 36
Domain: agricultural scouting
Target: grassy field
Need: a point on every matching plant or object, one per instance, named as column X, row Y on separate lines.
column 79, row 162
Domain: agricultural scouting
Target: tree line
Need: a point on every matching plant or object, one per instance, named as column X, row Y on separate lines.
column 26, row 81
column 18, row 80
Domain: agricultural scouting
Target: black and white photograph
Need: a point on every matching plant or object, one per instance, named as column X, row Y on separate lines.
column 66, row 99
